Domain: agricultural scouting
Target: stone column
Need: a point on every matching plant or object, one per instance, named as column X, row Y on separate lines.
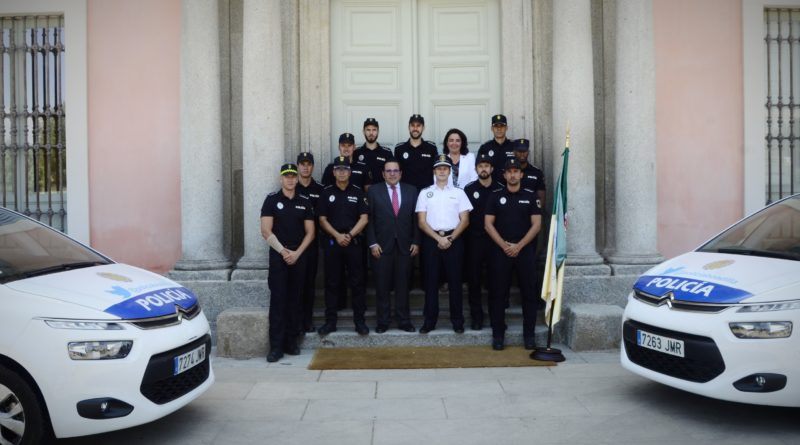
column 573, row 108
column 262, row 124
column 635, row 138
column 516, row 24
column 203, row 249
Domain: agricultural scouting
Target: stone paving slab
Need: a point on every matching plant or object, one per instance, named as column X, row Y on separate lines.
column 589, row 399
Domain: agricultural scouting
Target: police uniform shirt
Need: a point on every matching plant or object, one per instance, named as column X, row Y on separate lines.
column 342, row 208
column 478, row 196
column 499, row 153
column 512, row 212
column 374, row 160
column 416, row 162
column 358, row 174
column 311, row 191
column 532, row 179
column 288, row 217
column 442, row 206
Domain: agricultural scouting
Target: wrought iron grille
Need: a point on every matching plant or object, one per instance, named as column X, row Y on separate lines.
column 32, row 132
column 782, row 41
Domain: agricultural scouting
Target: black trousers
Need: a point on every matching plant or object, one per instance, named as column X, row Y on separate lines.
column 478, row 255
column 392, row 271
column 448, row 262
column 337, row 259
column 309, row 284
column 285, row 283
column 502, row 268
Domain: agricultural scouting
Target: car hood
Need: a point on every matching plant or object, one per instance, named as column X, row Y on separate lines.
column 722, row 278
column 120, row 290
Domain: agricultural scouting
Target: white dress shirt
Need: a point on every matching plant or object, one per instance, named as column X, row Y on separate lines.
column 442, row 206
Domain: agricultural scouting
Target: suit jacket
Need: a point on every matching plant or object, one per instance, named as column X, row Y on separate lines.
column 384, row 228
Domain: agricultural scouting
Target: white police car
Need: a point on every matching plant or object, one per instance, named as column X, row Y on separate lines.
column 719, row 321
column 88, row 345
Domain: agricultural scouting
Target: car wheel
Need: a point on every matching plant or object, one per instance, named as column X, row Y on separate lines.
column 21, row 415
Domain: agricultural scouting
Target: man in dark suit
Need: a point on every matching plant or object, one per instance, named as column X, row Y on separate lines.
column 393, row 238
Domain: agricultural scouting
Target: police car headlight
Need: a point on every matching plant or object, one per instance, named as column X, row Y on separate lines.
column 99, row 350
column 770, row 307
column 84, row 325
column 761, row 329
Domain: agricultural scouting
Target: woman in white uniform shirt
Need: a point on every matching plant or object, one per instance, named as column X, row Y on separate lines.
column 455, row 147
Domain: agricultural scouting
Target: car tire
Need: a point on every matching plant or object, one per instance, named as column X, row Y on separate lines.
column 22, row 418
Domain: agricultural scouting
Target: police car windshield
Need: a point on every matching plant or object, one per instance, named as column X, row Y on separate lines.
column 773, row 232
column 28, row 249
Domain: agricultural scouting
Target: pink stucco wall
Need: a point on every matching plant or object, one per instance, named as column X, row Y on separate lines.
column 134, row 133
column 699, row 119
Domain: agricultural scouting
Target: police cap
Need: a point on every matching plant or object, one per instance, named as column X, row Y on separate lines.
column 416, row 118
column 305, row 156
column 499, row 119
column 288, row 169
column 347, row 138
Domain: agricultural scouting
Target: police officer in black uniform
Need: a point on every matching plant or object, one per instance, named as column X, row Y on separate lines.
column 498, row 148
column 287, row 223
column 372, row 154
column 358, row 169
column 343, row 210
column 513, row 219
column 478, row 241
column 416, row 155
column 532, row 177
column 311, row 189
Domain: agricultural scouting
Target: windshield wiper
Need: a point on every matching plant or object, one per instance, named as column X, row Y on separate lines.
column 755, row 252
column 61, row 268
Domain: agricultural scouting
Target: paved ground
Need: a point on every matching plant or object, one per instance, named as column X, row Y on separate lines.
column 589, row 399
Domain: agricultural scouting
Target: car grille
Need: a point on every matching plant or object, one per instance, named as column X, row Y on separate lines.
column 678, row 304
column 160, row 386
column 168, row 320
column 702, row 361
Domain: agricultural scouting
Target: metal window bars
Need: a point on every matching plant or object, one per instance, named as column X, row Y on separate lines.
column 32, row 115
column 782, row 39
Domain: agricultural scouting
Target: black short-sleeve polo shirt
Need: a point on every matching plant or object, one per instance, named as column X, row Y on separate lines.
column 288, row 217
column 342, row 208
column 512, row 212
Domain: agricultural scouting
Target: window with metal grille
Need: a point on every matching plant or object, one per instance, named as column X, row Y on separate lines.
column 33, row 168
column 782, row 26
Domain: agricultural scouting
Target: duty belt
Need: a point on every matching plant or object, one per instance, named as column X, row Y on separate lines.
column 445, row 232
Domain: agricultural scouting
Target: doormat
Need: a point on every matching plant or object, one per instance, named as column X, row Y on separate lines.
column 423, row 357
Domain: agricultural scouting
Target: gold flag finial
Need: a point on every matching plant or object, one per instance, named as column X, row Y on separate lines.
column 567, row 142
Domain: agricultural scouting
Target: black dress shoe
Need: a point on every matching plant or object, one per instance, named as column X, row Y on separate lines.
column 361, row 328
column 274, row 355
column 425, row 329
column 498, row 344
column 407, row 327
column 326, row 329
column 292, row 350
column 458, row 329
column 530, row 343
column 476, row 326
column 380, row 329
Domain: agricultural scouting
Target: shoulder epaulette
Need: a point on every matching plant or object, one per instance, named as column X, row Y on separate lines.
column 305, row 197
column 386, row 148
column 398, row 144
column 274, row 193
column 328, row 186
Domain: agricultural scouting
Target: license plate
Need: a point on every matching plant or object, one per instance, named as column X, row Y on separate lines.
column 660, row 343
column 189, row 360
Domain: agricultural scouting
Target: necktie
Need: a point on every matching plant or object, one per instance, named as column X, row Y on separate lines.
column 395, row 200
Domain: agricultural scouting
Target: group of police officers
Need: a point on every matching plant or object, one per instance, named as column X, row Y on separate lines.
column 409, row 205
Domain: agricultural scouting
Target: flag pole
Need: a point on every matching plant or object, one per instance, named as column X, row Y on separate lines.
column 549, row 353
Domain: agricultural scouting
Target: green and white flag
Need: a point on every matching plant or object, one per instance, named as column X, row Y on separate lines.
column 553, row 285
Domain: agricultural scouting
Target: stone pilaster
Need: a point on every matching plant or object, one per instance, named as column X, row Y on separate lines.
column 516, row 24
column 263, row 125
column 635, row 202
column 573, row 108
column 202, row 238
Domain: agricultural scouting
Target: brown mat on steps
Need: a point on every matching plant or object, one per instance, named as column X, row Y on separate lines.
column 423, row 357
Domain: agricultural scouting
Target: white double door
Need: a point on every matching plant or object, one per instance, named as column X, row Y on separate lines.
column 394, row 58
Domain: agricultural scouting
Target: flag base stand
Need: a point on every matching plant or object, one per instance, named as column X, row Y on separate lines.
column 548, row 355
